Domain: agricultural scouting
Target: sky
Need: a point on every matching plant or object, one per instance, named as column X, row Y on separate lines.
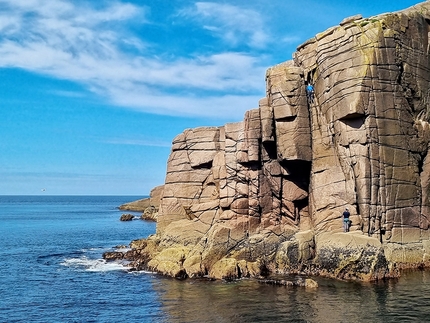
column 92, row 93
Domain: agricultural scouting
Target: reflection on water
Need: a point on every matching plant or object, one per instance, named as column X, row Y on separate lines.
column 403, row 300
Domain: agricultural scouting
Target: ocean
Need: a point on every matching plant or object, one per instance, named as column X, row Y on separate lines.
column 52, row 271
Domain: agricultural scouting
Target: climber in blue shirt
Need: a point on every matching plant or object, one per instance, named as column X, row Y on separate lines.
column 346, row 221
column 310, row 93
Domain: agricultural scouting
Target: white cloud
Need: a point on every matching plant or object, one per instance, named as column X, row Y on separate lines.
column 9, row 24
column 291, row 39
column 234, row 24
column 64, row 40
column 233, row 106
column 221, row 72
column 69, row 94
column 61, row 29
column 137, row 142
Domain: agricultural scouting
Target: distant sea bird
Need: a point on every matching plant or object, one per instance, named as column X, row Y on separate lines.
column 43, row 189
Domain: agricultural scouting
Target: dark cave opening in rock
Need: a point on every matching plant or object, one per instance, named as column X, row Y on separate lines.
column 354, row 120
column 207, row 165
column 270, row 147
column 299, row 172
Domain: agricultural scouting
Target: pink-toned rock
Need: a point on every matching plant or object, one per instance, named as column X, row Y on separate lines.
column 266, row 195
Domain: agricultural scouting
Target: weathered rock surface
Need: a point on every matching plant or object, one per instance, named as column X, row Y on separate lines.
column 150, row 213
column 149, row 206
column 307, row 282
column 266, row 195
column 112, row 255
column 135, row 206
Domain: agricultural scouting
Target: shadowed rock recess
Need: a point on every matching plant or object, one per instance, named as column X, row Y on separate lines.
column 266, row 195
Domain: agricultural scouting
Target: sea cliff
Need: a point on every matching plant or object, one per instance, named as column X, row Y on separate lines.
column 266, row 195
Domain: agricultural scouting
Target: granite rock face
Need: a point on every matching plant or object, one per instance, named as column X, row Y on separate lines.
column 266, row 195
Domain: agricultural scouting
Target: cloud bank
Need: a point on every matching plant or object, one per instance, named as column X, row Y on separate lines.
column 95, row 45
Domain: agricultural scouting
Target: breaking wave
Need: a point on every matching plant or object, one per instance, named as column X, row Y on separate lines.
column 93, row 265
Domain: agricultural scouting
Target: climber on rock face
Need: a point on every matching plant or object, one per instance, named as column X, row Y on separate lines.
column 346, row 222
column 310, row 93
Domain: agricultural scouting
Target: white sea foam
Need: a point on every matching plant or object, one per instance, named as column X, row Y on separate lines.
column 93, row 265
column 91, row 249
column 123, row 250
column 146, row 272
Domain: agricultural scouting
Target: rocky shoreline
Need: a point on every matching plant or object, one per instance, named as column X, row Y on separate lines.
column 346, row 261
column 135, row 262
column 265, row 196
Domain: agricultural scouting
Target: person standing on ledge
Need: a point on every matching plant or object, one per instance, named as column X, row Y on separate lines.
column 346, row 215
column 310, row 93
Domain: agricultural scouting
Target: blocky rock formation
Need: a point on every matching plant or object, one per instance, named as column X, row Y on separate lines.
column 266, row 195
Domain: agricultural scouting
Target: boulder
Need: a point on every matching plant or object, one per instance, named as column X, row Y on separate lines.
column 112, row 255
column 126, row 217
column 352, row 256
column 300, row 282
column 170, row 262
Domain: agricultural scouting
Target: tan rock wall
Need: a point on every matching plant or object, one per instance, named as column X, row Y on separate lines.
column 247, row 189
column 371, row 89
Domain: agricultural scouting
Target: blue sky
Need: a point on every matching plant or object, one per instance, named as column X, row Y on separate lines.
column 93, row 92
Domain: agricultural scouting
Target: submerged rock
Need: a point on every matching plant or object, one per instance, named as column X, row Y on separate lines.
column 306, row 282
column 266, row 195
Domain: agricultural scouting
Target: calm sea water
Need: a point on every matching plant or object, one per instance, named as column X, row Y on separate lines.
column 51, row 271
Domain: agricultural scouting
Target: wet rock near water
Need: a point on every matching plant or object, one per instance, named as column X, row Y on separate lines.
column 301, row 282
column 127, row 217
column 113, row 255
